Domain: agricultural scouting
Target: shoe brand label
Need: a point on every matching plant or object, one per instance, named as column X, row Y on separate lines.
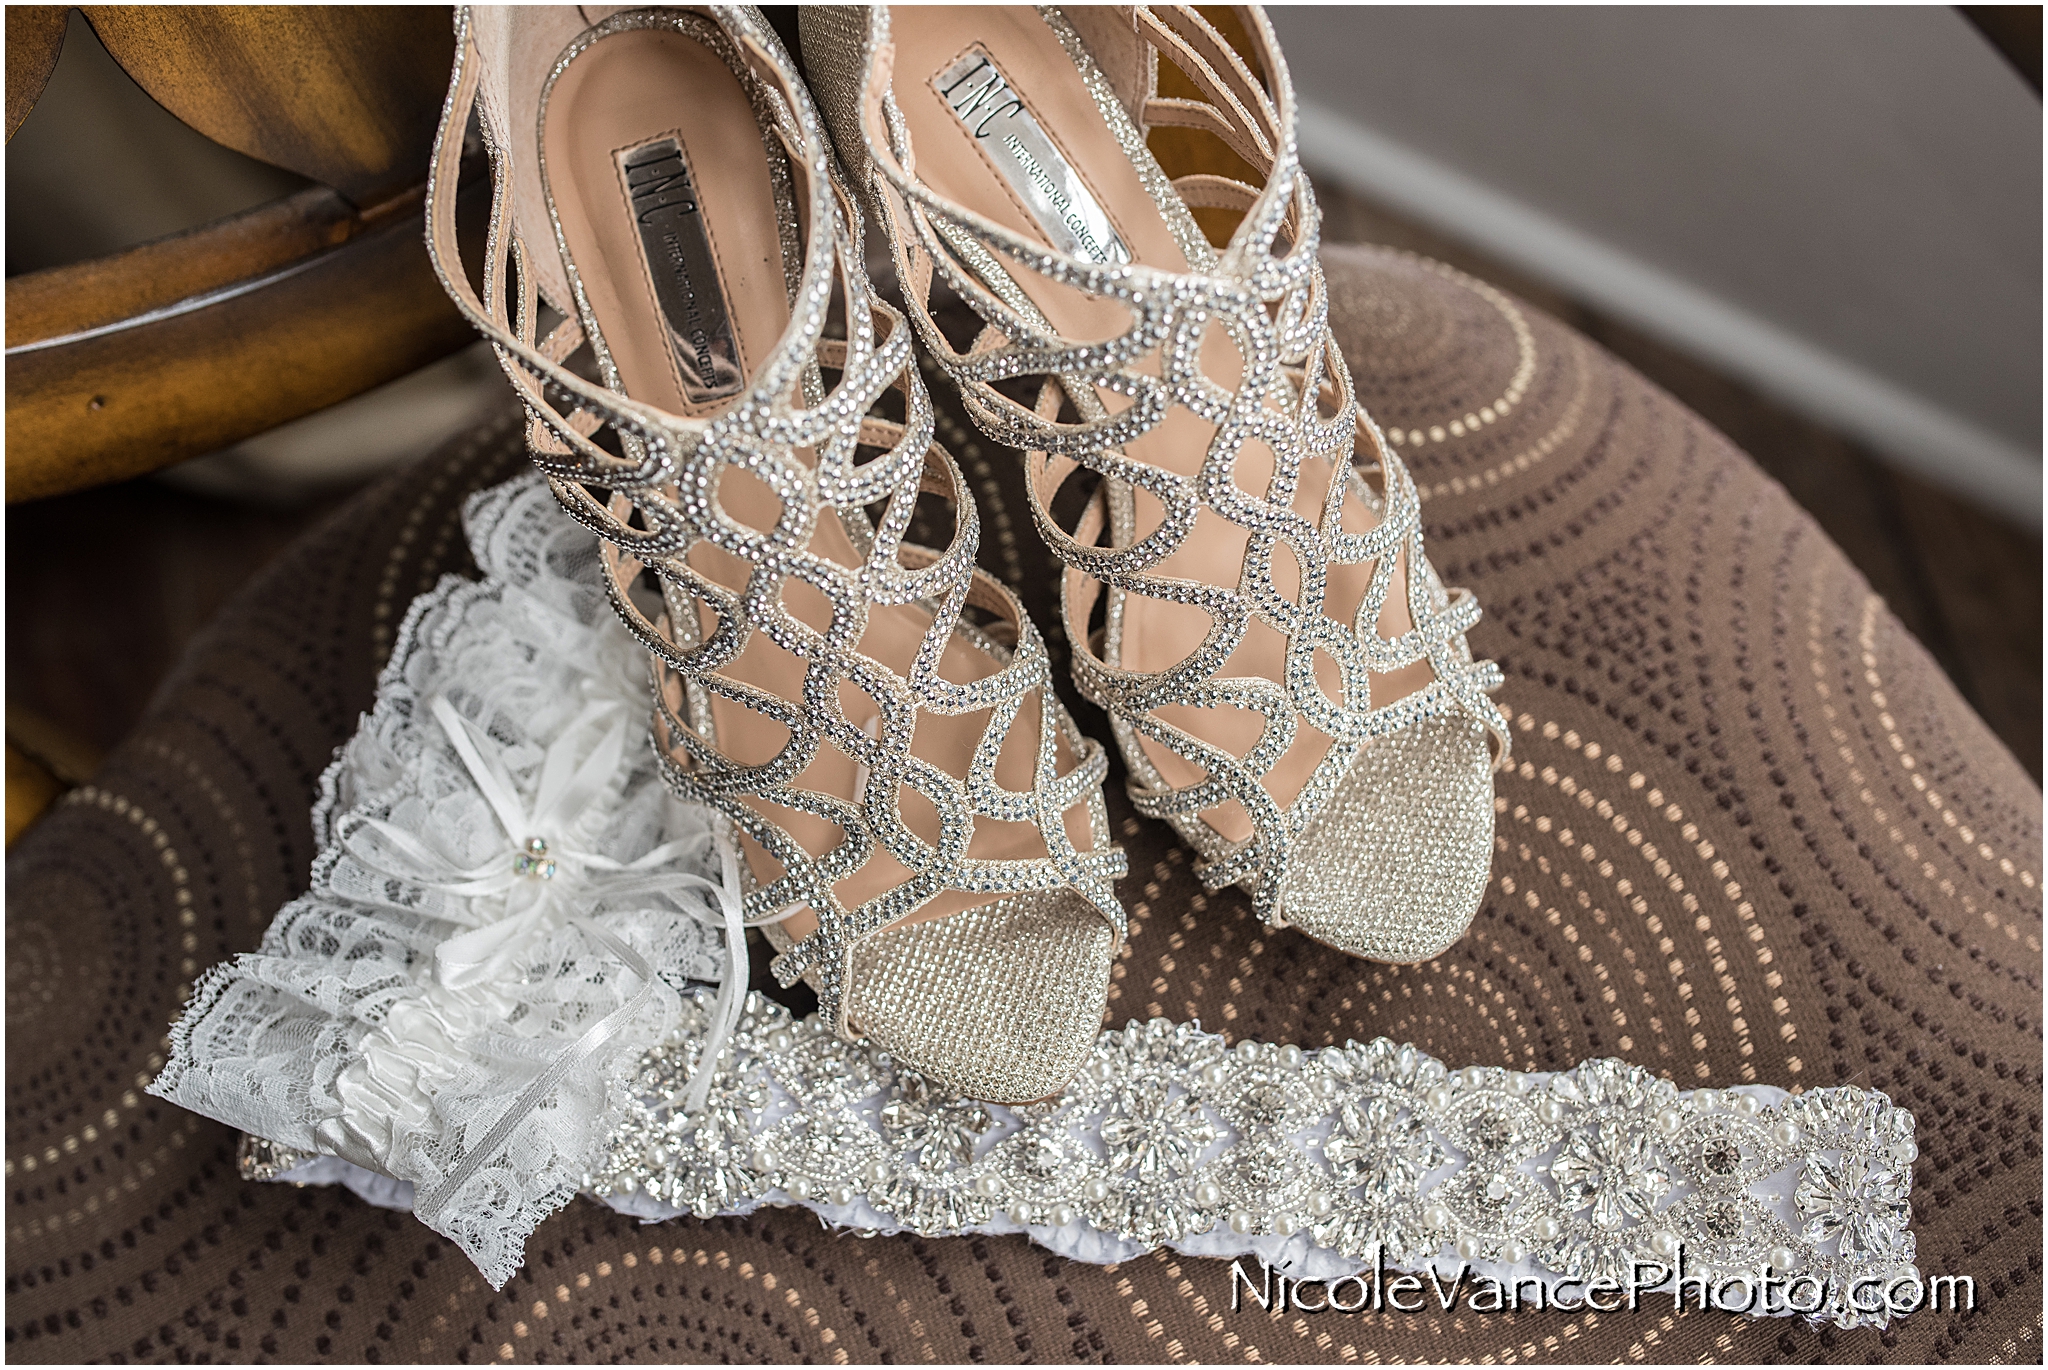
column 986, row 105
column 685, row 274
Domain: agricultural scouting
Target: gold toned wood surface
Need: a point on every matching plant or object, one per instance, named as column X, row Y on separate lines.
column 43, row 761
column 117, row 399
column 35, row 37
column 31, row 788
column 347, row 95
column 42, row 305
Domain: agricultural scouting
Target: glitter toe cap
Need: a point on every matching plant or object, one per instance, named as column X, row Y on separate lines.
column 1000, row 1003
column 1394, row 866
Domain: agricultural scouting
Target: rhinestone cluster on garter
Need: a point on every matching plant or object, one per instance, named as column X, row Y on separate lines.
column 1265, row 291
column 533, row 861
column 1170, row 1138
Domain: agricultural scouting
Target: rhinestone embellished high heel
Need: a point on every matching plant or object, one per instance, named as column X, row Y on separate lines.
column 923, row 826
column 1287, row 678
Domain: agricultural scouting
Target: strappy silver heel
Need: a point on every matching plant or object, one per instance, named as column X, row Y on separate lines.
column 873, row 716
column 1287, row 678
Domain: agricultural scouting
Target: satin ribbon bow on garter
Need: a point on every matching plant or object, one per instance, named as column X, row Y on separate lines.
column 543, row 880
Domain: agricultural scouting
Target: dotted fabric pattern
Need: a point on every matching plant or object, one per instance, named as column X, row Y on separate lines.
column 1751, row 834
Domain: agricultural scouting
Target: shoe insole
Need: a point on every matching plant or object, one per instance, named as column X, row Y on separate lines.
column 963, row 128
column 660, row 178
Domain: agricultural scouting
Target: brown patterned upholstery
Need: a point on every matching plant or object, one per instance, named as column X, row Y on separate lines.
column 1752, row 834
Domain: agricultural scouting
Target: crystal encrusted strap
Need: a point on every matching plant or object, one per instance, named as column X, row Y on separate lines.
column 1292, row 404
column 1319, row 1161
column 829, row 456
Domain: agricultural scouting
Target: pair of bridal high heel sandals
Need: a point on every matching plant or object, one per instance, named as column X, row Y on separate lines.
column 727, row 403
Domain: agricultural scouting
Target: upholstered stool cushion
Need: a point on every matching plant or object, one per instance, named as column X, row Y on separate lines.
column 1751, row 834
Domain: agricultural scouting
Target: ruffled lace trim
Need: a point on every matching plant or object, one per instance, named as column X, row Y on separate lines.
column 460, row 999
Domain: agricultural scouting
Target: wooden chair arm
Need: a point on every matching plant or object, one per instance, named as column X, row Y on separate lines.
column 181, row 346
column 347, row 95
column 176, row 348
column 35, row 38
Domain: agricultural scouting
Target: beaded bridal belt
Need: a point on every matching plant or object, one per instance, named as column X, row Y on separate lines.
column 1318, row 1163
column 496, row 993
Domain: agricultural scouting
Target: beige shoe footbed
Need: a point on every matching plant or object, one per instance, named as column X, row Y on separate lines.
column 1157, row 634
column 638, row 85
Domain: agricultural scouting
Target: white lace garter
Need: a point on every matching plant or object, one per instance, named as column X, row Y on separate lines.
column 348, row 1046
column 461, row 998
